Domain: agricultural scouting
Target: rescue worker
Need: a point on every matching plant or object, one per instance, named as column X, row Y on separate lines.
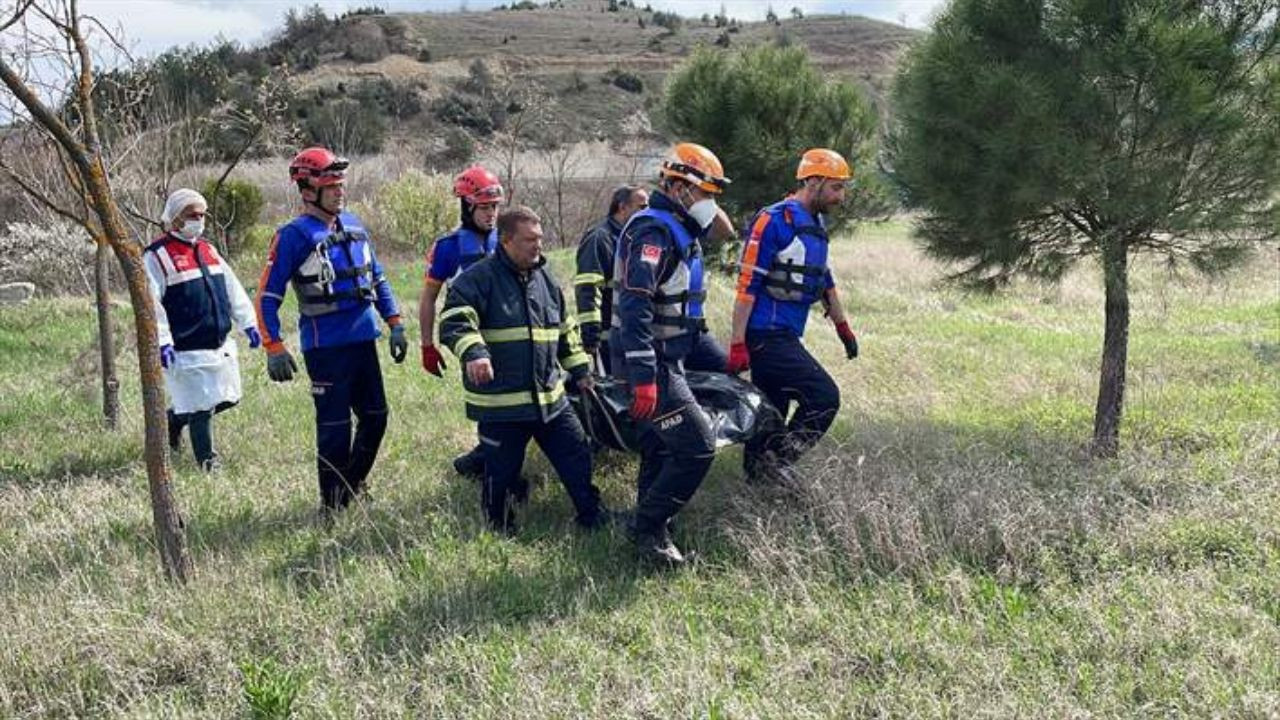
column 784, row 271
column 657, row 320
column 197, row 300
column 328, row 257
column 479, row 192
column 507, row 322
column 592, row 291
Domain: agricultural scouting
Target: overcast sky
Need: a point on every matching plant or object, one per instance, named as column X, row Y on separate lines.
column 153, row 25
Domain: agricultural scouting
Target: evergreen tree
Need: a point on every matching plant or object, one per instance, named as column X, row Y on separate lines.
column 1034, row 133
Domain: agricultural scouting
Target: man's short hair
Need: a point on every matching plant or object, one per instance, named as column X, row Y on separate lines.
column 510, row 219
column 621, row 196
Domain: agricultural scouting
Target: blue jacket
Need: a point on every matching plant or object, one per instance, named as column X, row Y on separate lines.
column 519, row 321
column 784, row 267
column 336, row 278
column 453, row 253
column 659, row 291
column 195, row 298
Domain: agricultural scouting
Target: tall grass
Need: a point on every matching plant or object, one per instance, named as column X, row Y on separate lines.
column 949, row 551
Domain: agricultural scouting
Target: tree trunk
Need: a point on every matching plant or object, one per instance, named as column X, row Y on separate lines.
column 106, row 335
column 169, row 526
column 1115, row 349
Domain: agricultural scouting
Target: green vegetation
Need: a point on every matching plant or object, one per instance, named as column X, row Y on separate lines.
column 759, row 110
column 234, row 208
column 951, row 553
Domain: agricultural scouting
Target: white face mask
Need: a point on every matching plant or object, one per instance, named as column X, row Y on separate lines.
column 703, row 212
column 192, row 229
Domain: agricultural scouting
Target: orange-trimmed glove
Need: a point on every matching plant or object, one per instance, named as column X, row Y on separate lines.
column 849, row 339
column 644, row 402
column 739, row 358
column 433, row 361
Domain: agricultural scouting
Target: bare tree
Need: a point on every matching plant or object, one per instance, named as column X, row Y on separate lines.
column 47, row 68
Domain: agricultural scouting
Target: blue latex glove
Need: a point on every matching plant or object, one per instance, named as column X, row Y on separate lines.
column 167, row 356
column 254, row 338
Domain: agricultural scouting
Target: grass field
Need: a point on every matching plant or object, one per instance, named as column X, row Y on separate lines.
column 952, row 552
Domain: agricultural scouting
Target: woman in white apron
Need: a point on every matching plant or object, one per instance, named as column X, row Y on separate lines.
column 198, row 300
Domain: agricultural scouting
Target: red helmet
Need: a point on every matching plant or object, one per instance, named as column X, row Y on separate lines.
column 318, row 167
column 477, row 186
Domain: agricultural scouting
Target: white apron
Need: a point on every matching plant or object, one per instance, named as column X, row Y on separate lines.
column 202, row 379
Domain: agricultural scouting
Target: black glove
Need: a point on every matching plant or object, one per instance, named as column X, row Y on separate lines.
column 590, row 336
column 281, row 367
column 399, row 345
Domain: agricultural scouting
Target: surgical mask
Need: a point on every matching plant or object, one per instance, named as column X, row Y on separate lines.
column 703, row 212
column 192, row 229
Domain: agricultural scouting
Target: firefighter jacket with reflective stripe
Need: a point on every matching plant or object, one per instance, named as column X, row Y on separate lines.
column 784, row 267
column 453, row 253
column 519, row 321
column 658, row 284
column 336, row 278
column 591, row 287
column 194, row 292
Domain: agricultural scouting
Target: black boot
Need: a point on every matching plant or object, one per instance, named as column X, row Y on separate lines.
column 470, row 464
column 176, row 423
column 657, row 547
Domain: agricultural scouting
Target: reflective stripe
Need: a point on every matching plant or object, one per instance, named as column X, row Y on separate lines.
column 640, row 354
column 464, row 343
column 588, row 279
column 574, row 360
column 513, row 399
column 517, row 334
column 589, row 316
column 461, row 310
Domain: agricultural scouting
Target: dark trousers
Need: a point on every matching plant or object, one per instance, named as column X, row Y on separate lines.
column 676, row 449
column 785, row 372
column 565, row 445
column 346, row 380
column 706, row 355
column 200, row 425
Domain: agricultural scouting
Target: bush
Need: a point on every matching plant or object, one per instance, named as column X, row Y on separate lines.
column 668, row 20
column 56, row 256
column 365, row 42
column 467, row 110
column 416, row 208
column 233, row 209
column 459, row 148
column 346, row 126
column 625, row 80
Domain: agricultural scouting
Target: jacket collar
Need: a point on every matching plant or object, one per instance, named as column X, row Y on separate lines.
column 501, row 254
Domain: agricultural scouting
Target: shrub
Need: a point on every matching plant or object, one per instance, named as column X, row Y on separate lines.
column 625, row 80
column 467, row 110
column 668, row 20
column 416, row 208
column 346, row 126
column 233, row 209
column 365, row 42
column 459, row 148
column 56, row 256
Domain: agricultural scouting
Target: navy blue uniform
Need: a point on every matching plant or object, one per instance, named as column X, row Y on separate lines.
column 658, row 320
column 785, row 271
column 519, row 321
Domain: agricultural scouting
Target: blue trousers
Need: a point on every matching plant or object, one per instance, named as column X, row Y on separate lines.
column 785, row 372
column 346, row 381
column 565, row 445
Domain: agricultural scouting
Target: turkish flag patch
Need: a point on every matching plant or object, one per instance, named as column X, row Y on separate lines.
column 651, row 254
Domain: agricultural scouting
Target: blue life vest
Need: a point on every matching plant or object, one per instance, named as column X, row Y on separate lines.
column 194, row 296
column 678, row 300
column 474, row 247
column 338, row 274
column 798, row 268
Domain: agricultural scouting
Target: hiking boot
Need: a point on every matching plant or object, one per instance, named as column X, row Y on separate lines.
column 211, row 465
column 658, row 548
column 470, row 464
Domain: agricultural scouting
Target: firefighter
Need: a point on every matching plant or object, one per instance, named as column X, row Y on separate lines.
column 657, row 320
column 327, row 256
column 479, row 192
column 197, row 300
column 784, row 271
column 507, row 322
column 592, row 293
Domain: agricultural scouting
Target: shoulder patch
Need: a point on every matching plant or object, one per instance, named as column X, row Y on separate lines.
column 651, row 254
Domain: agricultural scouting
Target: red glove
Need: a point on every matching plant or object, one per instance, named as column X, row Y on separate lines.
column 433, row 361
column 849, row 339
column 739, row 358
column 645, row 401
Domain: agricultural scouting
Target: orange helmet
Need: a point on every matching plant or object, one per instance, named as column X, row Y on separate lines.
column 477, row 186
column 318, row 167
column 824, row 163
column 695, row 164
